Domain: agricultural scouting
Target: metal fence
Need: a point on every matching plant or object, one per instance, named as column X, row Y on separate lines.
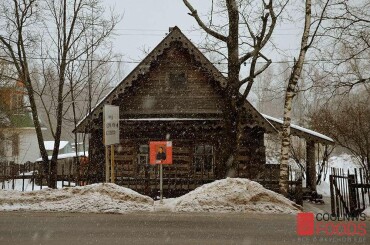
column 349, row 192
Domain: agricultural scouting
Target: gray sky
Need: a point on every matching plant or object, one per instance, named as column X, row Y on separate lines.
column 145, row 23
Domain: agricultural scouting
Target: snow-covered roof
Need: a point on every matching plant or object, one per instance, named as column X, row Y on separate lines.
column 301, row 131
column 67, row 155
column 49, row 145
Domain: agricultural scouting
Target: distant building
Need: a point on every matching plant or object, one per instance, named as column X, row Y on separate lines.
column 67, row 162
column 64, row 147
column 18, row 139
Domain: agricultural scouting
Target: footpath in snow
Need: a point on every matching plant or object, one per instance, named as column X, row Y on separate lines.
column 226, row 195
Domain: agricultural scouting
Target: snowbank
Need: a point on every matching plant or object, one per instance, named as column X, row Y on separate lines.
column 231, row 195
column 367, row 212
column 96, row 198
column 324, row 188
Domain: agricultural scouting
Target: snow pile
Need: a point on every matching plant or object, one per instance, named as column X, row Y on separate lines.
column 367, row 212
column 96, row 198
column 231, row 195
column 324, row 188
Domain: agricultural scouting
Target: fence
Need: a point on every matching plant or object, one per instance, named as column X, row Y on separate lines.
column 31, row 177
column 349, row 192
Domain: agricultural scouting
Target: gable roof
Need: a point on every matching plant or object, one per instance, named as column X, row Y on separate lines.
column 144, row 66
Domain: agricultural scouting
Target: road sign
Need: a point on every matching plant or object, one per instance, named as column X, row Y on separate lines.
column 160, row 152
column 111, row 124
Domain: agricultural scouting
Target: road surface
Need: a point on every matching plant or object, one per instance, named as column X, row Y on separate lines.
column 152, row 228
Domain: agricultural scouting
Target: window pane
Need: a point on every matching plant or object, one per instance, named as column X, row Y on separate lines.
column 177, row 80
column 143, row 160
column 208, row 149
column 208, row 162
column 144, row 149
column 198, row 164
column 199, row 149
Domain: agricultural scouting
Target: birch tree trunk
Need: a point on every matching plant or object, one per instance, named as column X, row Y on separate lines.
column 291, row 91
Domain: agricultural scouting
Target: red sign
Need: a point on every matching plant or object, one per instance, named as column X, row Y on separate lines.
column 160, row 152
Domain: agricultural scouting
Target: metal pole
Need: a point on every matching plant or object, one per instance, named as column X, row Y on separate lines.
column 112, row 178
column 106, row 165
column 161, row 182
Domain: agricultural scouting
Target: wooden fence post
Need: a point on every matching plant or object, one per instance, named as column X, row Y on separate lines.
column 332, row 200
column 352, row 193
column 299, row 192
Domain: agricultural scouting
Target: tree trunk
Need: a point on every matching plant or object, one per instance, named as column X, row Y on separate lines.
column 36, row 122
column 289, row 95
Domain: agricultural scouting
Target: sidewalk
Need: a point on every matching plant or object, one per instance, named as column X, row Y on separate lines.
column 317, row 208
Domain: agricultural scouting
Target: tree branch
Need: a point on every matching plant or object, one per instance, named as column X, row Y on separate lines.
column 211, row 32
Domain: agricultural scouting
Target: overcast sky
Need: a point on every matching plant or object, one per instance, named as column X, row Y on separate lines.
column 145, row 23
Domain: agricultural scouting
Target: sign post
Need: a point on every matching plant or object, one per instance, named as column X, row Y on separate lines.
column 111, row 137
column 160, row 153
column 161, row 182
column 106, row 164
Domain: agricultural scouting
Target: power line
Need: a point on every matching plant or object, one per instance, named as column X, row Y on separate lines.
column 219, row 63
column 193, row 35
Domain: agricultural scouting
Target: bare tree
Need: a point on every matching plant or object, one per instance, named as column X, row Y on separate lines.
column 292, row 90
column 246, row 30
column 17, row 40
column 64, row 24
column 347, row 121
column 346, row 49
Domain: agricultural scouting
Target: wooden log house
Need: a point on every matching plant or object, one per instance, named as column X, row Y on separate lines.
column 174, row 92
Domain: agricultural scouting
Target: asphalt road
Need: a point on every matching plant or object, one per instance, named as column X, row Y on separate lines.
column 154, row 228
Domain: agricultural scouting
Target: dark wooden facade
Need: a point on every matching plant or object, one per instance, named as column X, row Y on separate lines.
column 175, row 93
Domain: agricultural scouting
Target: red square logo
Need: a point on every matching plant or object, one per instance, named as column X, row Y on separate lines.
column 305, row 224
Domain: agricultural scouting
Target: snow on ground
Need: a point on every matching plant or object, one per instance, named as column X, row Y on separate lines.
column 343, row 161
column 226, row 195
column 367, row 212
column 324, row 188
column 230, row 195
column 96, row 198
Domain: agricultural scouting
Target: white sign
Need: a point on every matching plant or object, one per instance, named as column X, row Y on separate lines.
column 111, row 124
